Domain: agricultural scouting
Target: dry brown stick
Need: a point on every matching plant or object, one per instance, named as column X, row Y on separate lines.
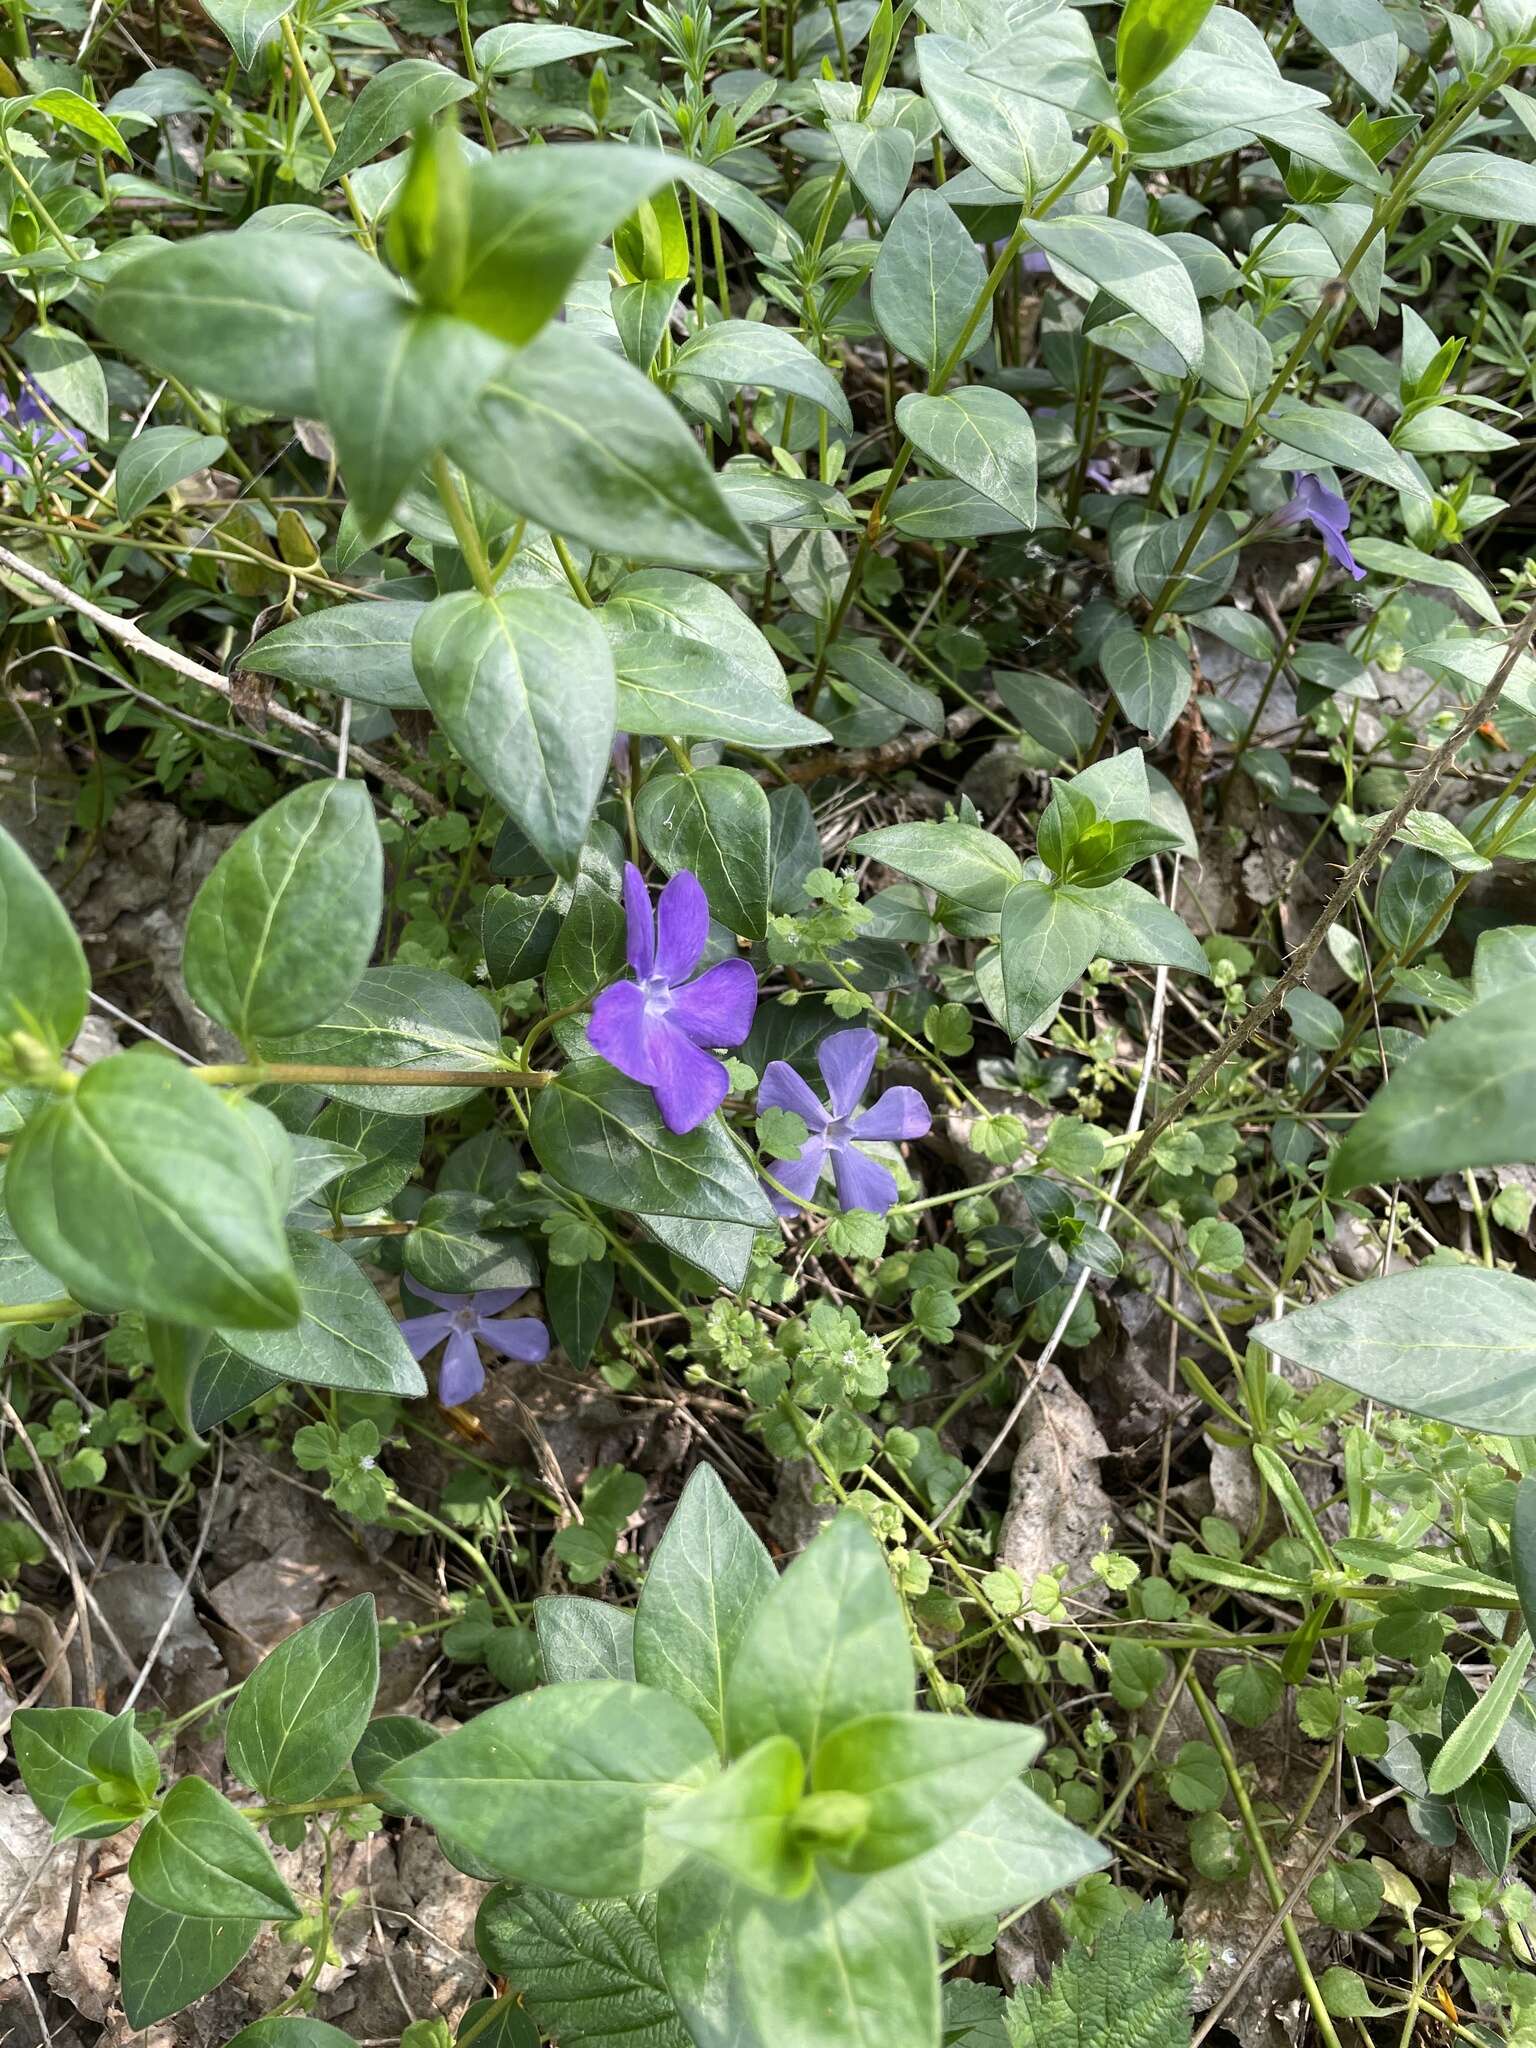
column 1349, row 883
column 882, row 760
column 209, row 679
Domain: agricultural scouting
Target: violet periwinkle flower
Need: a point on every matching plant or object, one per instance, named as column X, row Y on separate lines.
column 846, row 1059
column 1312, row 503
column 463, row 1323
column 655, row 1028
column 26, row 428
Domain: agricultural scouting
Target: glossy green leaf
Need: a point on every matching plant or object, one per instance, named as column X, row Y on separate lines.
column 927, row 278
column 847, row 1965
column 395, row 100
column 1335, row 435
column 558, row 1787
column 715, row 823
column 156, row 460
column 981, row 436
column 580, row 1638
column 51, row 1746
column 528, row 45
column 1470, row 1743
column 1455, row 1342
column 602, row 1136
column 358, row 650
column 827, row 1646
column 921, row 1775
column 143, row 1189
column 709, row 1575
column 961, row 862
column 1149, row 675
column 345, row 1336
column 249, row 25
column 401, row 1017
column 576, row 439
column 169, row 1960
column 298, row 1717
column 44, row 980
column 523, row 685
column 1133, row 267
column 737, row 352
column 198, row 1856
column 282, row 929
column 1048, row 938
column 1481, row 184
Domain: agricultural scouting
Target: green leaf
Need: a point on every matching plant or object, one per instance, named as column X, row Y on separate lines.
column 1013, row 1852
column 601, row 1136
column 587, row 1968
column 740, row 1820
column 233, row 313
column 927, row 277
column 144, row 1189
column 86, row 118
column 1048, row 938
column 1455, row 1342
column 168, row 1960
column 737, row 352
column 1134, row 926
column 716, row 823
column 1344, row 439
column 1149, row 675
column 922, row 1776
column 121, row 1756
column 283, row 928
column 1020, row 145
column 69, row 374
column 535, row 216
column 44, row 980
column 1151, row 33
column 1479, row 183
column 827, row 1646
column 247, row 25
column 961, row 862
column 868, row 671
column 455, row 1249
column 1098, row 251
column 683, row 689
column 51, row 1746
column 528, row 45
column 709, row 1575
column 848, row 1965
column 523, row 685
column 397, row 99
column 345, row 1336
column 1056, row 60
column 1464, row 1097
column 1130, row 1989
column 1049, row 710
column 357, row 650
column 298, row 1717
column 1346, row 1895
column 401, row 1017
column 291, row 2033
column 981, row 436
column 648, row 602
column 695, row 1911
column 1522, row 1548
column 157, row 459
column 395, row 381
column 1470, row 1743
column 582, row 443
column 559, row 1786
column 198, row 1856
column 577, row 1300
column 581, row 1638
column 878, row 161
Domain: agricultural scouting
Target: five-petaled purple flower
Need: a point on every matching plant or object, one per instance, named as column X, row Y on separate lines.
column 846, row 1059
column 25, row 428
column 655, row 1027
column 466, row 1320
column 1313, row 503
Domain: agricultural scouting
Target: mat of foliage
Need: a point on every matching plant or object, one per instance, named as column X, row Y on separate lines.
column 767, row 1024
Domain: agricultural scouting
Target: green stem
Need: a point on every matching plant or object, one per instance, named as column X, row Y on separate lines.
column 465, row 531
column 327, row 134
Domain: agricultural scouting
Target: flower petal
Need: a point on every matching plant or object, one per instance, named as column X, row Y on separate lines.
column 898, row 1113
column 688, row 1085
column 461, row 1375
column 521, row 1337
column 782, row 1088
column 640, row 936
column 847, row 1059
column 448, row 1301
column 618, row 1031
column 422, row 1334
column 798, row 1175
column 717, row 1008
column 682, row 926
column 862, row 1183
column 493, row 1301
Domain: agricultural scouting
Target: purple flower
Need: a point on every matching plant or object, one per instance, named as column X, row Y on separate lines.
column 26, row 428
column 466, row 1320
column 653, row 1028
column 1036, row 260
column 846, row 1059
column 1313, row 503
